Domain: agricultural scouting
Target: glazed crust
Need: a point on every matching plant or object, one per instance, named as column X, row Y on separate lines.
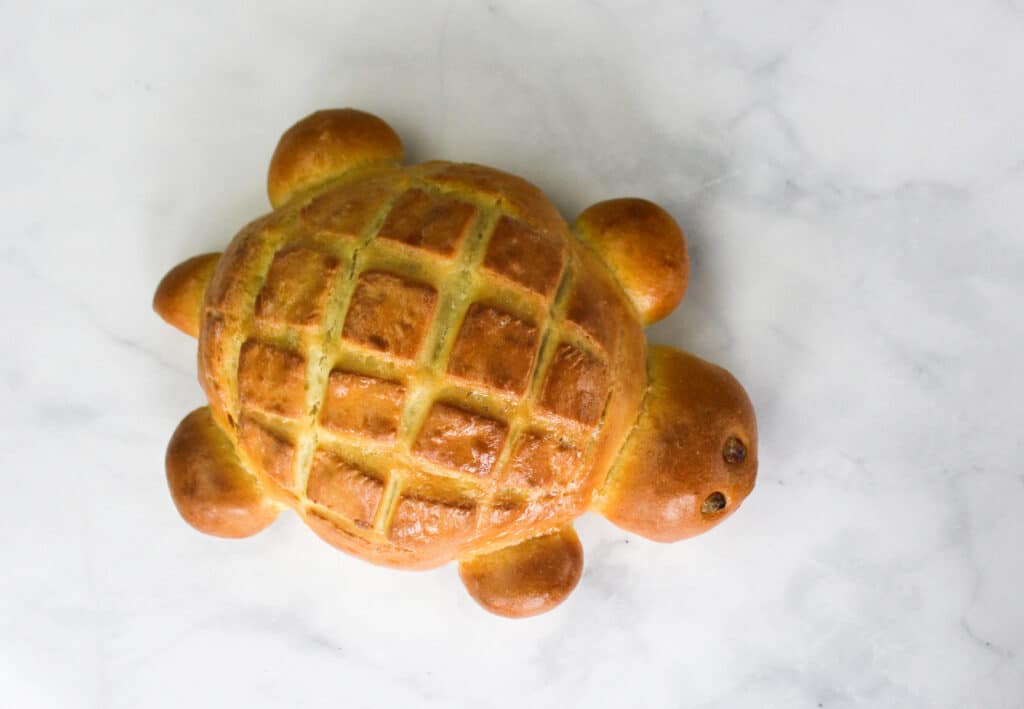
column 644, row 247
column 529, row 578
column 179, row 297
column 327, row 144
column 210, row 488
column 691, row 459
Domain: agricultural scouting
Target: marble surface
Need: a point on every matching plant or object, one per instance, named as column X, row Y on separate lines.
column 850, row 176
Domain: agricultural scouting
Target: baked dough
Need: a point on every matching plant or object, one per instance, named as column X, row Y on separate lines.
column 428, row 364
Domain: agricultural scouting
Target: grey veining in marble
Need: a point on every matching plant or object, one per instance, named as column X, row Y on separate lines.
column 850, row 176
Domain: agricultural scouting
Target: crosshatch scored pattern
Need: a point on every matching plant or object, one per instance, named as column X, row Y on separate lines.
column 413, row 367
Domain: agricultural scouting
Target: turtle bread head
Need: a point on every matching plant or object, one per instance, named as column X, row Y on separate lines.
column 691, row 458
column 428, row 364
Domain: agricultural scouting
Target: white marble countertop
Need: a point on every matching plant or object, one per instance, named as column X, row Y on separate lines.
column 850, row 176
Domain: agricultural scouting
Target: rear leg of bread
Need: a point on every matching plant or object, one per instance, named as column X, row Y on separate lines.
column 179, row 297
column 528, row 578
column 642, row 244
column 210, row 488
column 327, row 144
column 691, row 458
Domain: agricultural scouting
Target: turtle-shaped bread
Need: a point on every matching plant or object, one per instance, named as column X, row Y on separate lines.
column 427, row 363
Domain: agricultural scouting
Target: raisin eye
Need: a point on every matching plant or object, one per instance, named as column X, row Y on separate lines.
column 715, row 502
column 734, row 451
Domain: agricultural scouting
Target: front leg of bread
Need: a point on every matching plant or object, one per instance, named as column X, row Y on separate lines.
column 642, row 244
column 327, row 144
column 209, row 486
column 529, row 578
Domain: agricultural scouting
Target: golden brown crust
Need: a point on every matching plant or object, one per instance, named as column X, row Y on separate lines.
column 627, row 371
column 345, row 213
column 529, row 578
column 576, row 386
column 691, row 458
column 526, row 256
column 460, row 440
column 430, row 222
column 363, row 406
column 179, row 297
column 523, row 199
column 230, row 289
column 327, row 144
column 271, row 379
column 541, row 461
column 644, row 247
column 432, row 529
column 494, row 348
column 208, row 484
column 344, row 488
column 212, row 340
column 268, row 451
column 390, row 314
column 297, row 286
column 352, row 540
column 593, row 305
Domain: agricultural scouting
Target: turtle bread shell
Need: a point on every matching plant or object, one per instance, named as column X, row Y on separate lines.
column 422, row 361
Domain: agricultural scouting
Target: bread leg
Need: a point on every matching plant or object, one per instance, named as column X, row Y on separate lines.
column 327, row 144
column 210, row 488
column 691, row 459
column 642, row 244
column 529, row 578
column 179, row 297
